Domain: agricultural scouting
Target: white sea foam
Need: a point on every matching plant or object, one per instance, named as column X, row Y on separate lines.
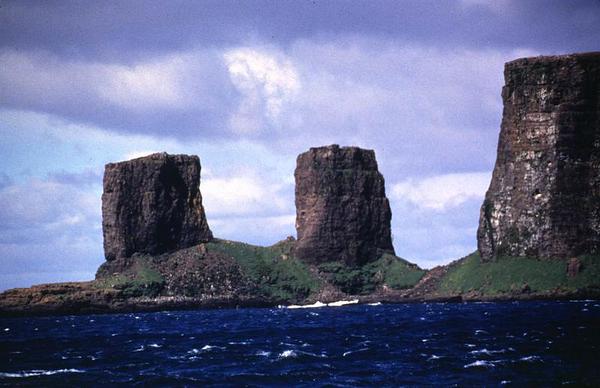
column 480, row 363
column 349, row 352
column 480, row 332
column 288, row 353
column 263, row 353
column 140, row 349
column 6, row 329
column 155, row 346
column 317, row 304
column 375, row 304
column 530, row 358
column 342, row 303
column 39, row 372
column 434, row 357
column 487, row 351
column 307, row 306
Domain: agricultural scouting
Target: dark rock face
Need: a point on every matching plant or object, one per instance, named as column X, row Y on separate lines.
column 152, row 205
column 342, row 213
column 544, row 198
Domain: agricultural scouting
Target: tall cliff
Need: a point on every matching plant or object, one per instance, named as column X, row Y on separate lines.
column 544, row 198
column 342, row 213
column 152, row 205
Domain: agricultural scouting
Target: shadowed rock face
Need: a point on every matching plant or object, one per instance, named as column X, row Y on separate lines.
column 152, row 205
column 544, row 198
column 342, row 213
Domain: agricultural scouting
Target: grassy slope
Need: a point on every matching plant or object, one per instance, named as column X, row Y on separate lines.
column 510, row 275
column 281, row 276
column 139, row 280
column 390, row 270
column 277, row 274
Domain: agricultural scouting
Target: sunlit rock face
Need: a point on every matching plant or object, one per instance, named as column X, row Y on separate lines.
column 544, row 198
column 342, row 213
column 152, row 205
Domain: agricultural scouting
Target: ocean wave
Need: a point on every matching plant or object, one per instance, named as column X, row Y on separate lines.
column 530, row 358
column 375, row 304
column 317, row 304
column 480, row 363
column 289, row 353
column 349, row 352
column 488, row 352
column 207, row 348
column 39, row 372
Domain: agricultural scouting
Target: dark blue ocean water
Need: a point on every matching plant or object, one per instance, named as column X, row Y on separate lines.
column 533, row 343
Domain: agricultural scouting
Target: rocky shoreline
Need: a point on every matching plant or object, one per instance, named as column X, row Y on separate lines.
column 538, row 235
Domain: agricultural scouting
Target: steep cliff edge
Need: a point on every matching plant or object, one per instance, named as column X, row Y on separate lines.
column 152, row 205
column 544, row 198
column 342, row 213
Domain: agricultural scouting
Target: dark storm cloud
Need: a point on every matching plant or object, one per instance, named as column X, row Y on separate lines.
column 130, row 29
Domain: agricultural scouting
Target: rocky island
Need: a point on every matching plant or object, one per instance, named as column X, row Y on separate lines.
column 538, row 236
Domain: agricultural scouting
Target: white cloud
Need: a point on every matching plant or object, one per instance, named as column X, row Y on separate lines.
column 443, row 191
column 244, row 194
column 145, row 85
column 266, row 81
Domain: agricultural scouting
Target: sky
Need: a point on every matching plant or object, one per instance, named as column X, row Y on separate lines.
column 247, row 86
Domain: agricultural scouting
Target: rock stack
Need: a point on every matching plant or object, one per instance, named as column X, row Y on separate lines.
column 342, row 213
column 152, row 205
column 544, row 198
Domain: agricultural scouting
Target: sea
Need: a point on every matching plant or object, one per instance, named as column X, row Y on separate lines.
column 549, row 343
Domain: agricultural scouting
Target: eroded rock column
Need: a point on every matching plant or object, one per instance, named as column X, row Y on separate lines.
column 544, row 198
column 342, row 213
column 152, row 205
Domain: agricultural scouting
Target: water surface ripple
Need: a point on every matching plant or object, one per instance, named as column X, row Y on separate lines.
column 491, row 344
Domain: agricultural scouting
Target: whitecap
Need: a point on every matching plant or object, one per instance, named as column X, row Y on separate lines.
column 504, row 382
column 288, row 353
column 530, row 358
column 313, row 314
column 349, row 352
column 6, row 329
column 375, row 304
column 263, row 353
column 434, row 357
column 238, row 343
column 487, row 352
column 140, row 349
column 39, row 372
column 155, row 346
column 470, row 345
column 211, row 347
column 480, row 363
column 480, row 332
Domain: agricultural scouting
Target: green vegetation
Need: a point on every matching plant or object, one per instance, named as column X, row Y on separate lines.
column 390, row 270
column 509, row 275
column 139, row 280
column 273, row 269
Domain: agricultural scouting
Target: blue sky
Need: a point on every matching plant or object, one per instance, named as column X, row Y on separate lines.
column 248, row 86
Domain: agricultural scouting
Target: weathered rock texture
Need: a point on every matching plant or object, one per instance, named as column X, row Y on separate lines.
column 342, row 213
column 544, row 198
column 152, row 205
